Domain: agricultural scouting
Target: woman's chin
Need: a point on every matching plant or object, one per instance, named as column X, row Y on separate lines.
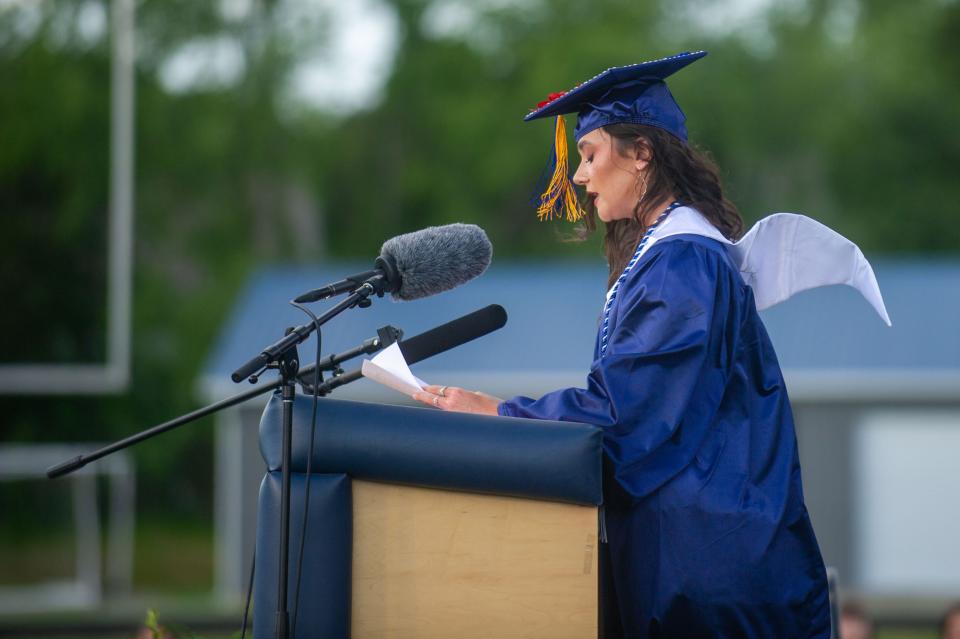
column 608, row 215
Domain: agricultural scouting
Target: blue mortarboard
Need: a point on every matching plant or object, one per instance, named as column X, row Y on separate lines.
column 635, row 93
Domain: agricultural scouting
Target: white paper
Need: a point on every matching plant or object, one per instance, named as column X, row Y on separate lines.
column 389, row 368
column 388, row 379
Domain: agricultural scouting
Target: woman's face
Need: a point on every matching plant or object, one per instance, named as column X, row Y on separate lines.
column 609, row 178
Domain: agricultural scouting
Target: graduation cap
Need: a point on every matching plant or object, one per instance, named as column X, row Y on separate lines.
column 634, row 93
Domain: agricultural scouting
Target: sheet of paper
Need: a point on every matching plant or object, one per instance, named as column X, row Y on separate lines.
column 389, row 368
column 383, row 376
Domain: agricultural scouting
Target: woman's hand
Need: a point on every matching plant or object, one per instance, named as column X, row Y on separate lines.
column 458, row 399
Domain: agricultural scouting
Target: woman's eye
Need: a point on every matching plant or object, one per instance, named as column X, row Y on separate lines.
column 589, row 159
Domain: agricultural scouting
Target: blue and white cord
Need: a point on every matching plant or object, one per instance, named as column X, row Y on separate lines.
column 604, row 332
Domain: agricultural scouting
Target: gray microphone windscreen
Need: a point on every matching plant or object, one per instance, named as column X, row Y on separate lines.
column 438, row 258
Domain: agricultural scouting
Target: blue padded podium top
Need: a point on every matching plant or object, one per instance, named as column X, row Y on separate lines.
column 557, row 461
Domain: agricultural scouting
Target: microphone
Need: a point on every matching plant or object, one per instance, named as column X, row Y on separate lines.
column 437, row 340
column 453, row 333
column 420, row 264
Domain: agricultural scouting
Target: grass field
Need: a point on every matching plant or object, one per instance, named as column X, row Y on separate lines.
column 168, row 556
column 172, row 573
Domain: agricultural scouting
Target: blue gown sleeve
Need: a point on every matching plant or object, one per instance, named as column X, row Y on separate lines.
column 660, row 384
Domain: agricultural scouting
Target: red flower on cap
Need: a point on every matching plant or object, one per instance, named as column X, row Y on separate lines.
column 550, row 98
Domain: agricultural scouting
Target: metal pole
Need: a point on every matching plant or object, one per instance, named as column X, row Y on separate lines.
column 289, row 389
column 121, row 196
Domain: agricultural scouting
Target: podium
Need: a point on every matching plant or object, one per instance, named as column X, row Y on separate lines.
column 430, row 524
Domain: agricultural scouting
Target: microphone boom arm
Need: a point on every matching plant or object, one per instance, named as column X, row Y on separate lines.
column 299, row 334
column 370, row 345
column 386, row 271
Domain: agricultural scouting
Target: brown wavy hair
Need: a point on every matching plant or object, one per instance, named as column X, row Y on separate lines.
column 676, row 171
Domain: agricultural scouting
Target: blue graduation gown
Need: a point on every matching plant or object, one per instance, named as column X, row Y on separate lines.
column 708, row 535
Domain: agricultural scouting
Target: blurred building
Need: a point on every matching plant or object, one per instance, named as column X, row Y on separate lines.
column 877, row 408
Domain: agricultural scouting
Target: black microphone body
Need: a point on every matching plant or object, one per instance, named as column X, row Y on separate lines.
column 436, row 340
column 346, row 285
column 419, row 264
column 454, row 333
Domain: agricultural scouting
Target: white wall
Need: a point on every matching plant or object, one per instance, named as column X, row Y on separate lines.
column 906, row 502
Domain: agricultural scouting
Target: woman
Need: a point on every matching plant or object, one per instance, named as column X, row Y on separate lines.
column 707, row 532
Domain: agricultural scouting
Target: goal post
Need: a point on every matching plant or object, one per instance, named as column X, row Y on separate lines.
column 113, row 374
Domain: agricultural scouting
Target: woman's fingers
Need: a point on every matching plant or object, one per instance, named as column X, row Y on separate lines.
column 429, row 398
column 442, row 391
column 457, row 399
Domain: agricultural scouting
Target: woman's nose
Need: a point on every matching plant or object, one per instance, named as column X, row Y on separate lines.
column 580, row 177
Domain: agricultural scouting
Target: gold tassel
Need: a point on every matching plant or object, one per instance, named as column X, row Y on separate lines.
column 560, row 190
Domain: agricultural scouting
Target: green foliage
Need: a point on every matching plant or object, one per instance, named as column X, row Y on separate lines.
column 52, row 196
column 152, row 623
column 156, row 631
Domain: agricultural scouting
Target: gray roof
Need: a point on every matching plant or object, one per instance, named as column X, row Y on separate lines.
column 830, row 342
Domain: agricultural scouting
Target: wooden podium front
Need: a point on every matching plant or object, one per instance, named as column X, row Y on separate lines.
column 434, row 564
column 423, row 524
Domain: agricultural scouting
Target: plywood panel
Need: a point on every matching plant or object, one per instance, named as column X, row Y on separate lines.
column 432, row 563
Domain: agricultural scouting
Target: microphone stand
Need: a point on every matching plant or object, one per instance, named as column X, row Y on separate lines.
column 283, row 356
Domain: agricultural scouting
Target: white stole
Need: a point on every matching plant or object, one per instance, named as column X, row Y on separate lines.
column 784, row 254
